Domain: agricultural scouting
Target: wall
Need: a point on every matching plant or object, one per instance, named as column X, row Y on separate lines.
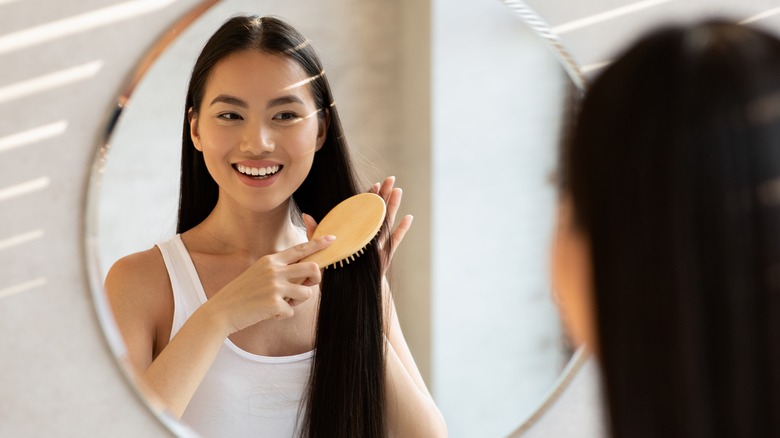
column 56, row 86
column 497, row 93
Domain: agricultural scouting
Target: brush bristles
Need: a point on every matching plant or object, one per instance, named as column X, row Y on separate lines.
column 352, row 258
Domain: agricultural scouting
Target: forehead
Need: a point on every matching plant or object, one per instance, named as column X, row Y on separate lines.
column 253, row 74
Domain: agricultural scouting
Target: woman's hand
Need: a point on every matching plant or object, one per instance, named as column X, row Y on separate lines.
column 270, row 288
column 392, row 196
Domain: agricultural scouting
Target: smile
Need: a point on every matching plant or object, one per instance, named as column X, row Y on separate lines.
column 258, row 172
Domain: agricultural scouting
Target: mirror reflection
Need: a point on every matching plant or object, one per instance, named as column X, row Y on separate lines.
column 476, row 313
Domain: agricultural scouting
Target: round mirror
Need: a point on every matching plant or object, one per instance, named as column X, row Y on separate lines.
column 465, row 106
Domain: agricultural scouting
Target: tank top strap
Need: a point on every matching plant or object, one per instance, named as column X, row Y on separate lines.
column 188, row 293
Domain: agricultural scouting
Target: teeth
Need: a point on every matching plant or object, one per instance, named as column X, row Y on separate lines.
column 257, row 171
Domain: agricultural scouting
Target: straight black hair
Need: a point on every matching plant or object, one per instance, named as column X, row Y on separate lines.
column 673, row 170
column 346, row 393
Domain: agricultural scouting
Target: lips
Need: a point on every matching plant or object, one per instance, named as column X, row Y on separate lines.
column 258, row 172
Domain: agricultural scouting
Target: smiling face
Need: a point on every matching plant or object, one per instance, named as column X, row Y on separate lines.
column 258, row 129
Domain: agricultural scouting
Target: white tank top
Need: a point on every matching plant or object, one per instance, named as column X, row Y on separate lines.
column 242, row 394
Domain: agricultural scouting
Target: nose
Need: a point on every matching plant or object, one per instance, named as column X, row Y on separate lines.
column 257, row 139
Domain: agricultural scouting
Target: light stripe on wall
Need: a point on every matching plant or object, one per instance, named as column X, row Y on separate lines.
column 49, row 81
column 79, row 23
column 33, row 135
column 604, row 16
column 22, row 287
column 20, row 239
column 761, row 16
column 595, row 66
column 24, row 188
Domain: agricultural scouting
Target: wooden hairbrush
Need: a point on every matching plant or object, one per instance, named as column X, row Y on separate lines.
column 355, row 222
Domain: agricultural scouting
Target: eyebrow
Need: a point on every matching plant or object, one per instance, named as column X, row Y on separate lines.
column 284, row 100
column 232, row 100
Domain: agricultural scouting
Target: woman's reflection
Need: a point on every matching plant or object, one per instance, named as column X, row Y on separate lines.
column 219, row 320
column 668, row 238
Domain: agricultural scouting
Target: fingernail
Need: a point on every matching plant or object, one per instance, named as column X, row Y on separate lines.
column 329, row 238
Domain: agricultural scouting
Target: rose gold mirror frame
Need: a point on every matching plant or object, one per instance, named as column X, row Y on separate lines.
column 519, row 8
column 91, row 232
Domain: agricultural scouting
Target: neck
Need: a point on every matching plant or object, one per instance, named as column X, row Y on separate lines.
column 237, row 231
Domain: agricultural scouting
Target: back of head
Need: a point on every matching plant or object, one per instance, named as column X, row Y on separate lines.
column 673, row 170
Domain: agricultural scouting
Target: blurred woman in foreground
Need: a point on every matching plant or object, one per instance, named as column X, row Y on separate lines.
column 667, row 252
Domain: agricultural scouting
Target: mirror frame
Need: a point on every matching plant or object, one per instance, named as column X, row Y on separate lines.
column 110, row 330
column 91, row 232
column 565, row 58
column 540, row 27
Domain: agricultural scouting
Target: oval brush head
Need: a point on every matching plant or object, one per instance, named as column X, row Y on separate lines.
column 355, row 221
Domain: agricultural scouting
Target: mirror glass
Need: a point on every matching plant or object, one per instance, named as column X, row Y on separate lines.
column 474, row 158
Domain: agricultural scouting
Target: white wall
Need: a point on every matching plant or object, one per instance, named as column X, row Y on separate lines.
column 496, row 105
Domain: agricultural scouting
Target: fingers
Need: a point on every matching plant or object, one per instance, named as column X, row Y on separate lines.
column 297, row 294
column 310, row 224
column 297, row 252
column 392, row 196
column 393, row 204
column 400, row 232
column 285, row 311
column 386, row 188
column 383, row 189
column 301, row 277
column 307, row 274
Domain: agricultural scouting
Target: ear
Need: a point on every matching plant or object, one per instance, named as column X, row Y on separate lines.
column 322, row 132
column 194, row 133
column 572, row 278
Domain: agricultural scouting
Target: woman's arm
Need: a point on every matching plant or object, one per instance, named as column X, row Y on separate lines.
column 411, row 411
column 141, row 298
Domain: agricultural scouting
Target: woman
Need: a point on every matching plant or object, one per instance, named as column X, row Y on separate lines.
column 222, row 322
column 668, row 243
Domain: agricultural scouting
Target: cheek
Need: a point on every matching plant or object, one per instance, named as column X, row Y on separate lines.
column 303, row 141
column 572, row 287
column 218, row 140
column 215, row 146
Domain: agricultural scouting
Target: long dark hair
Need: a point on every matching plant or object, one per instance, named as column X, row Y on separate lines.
column 674, row 174
column 346, row 388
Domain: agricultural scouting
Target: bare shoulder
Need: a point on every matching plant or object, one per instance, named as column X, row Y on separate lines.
column 139, row 292
column 139, row 276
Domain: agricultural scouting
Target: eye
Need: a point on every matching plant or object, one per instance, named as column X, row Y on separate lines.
column 229, row 116
column 286, row 115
